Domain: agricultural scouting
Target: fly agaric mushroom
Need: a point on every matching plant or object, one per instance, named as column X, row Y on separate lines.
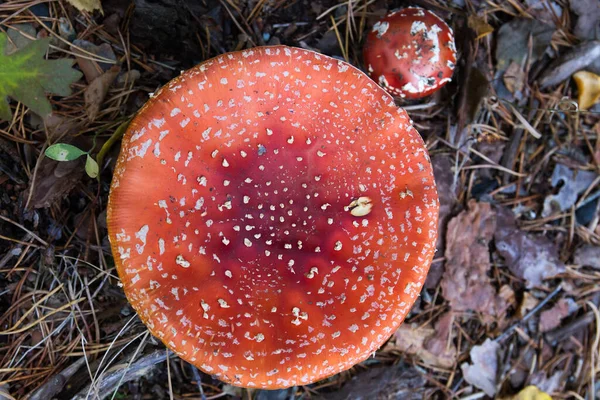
column 273, row 216
column 410, row 53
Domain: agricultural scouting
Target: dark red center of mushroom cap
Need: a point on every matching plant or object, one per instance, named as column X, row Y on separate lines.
column 273, row 216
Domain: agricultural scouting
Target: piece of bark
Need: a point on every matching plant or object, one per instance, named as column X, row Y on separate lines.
column 573, row 60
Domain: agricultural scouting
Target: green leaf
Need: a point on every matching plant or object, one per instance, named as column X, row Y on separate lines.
column 26, row 77
column 64, row 152
column 91, row 167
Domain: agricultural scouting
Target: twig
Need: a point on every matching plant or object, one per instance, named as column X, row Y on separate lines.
column 530, row 314
column 198, row 379
column 133, row 371
column 55, row 384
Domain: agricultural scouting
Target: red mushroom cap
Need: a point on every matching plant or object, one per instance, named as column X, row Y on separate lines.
column 410, row 53
column 272, row 216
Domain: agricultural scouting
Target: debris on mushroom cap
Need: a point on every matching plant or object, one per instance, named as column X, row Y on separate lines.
column 410, row 53
column 228, row 216
column 588, row 85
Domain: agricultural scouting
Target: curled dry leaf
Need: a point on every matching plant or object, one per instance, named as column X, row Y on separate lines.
column 479, row 25
column 86, row 5
column 483, row 370
column 588, row 256
column 588, row 88
column 530, row 257
column 95, row 93
column 573, row 183
column 54, row 180
column 90, row 68
column 466, row 284
column 414, row 340
column 514, row 78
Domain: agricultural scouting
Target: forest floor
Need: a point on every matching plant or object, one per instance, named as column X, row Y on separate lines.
column 512, row 297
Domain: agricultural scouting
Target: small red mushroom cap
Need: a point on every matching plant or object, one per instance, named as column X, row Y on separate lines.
column 272, row 216
column 410, row 53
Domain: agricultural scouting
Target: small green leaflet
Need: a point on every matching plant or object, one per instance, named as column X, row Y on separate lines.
column 91, row 167
column 26, row 77
column 67, row 152
column 64, row 152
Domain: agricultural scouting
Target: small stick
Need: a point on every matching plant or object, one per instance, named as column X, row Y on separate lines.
column 530, row 314
column 198, row 382
column 507, row 333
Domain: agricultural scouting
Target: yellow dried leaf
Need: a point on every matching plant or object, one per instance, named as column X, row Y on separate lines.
column 588, row 85
column 480, row 26
column 86, row 5
column 530, row 393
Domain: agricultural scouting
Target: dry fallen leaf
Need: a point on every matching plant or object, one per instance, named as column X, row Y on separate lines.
column 530, row 393
column 527, row 304
column 410, row 339
column 441, row 343
column 86, row 5
column 479, row 25
column 588, row 88
column 95, row 93
column 483, row 371
column 531, row 257
column 53, row 181
column 90, row 67
column 514, row 78
column 466, row 284
column 447, row 189
column 588, row 256
column 573, row 183
column 551, row 318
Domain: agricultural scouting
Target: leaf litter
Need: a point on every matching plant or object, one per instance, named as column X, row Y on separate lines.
column 466, row 284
